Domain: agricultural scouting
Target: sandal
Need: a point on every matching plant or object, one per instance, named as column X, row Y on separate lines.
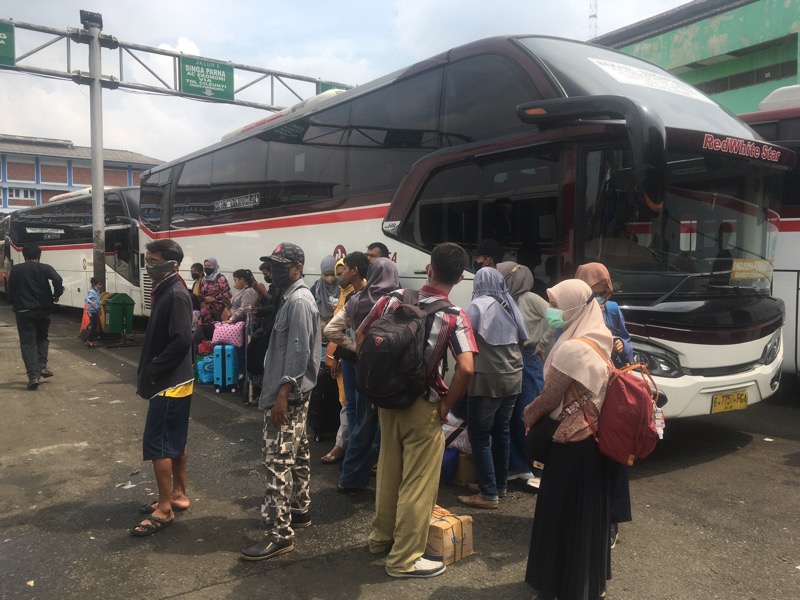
column 333, row 457
column 155, row 525
column 147, row 509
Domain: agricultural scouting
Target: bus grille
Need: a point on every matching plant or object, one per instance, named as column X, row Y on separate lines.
column 721, row 371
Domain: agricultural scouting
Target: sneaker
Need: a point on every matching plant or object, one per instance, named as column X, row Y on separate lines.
column 474, row 487
column 301, row 520
column 46, row 372
column 423, row 567
column 33, row 383
column 522, row 475
column 613, row 535
column 89, row 344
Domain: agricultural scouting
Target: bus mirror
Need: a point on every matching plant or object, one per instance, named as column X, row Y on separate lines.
column 547, row 228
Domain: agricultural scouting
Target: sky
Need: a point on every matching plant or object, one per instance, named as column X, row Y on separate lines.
column 347, row 41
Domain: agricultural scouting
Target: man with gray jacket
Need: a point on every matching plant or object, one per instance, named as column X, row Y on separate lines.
column 290, row 374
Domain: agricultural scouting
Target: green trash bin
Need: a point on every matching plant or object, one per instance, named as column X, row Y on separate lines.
column 119, row 313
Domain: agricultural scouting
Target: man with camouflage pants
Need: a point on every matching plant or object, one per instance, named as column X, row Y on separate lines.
column 290, row 374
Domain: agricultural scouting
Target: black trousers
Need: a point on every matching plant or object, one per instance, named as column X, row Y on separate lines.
column 33, row 327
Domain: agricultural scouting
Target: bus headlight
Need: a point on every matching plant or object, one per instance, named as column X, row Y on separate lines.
column 771, row 349
column 659, row 362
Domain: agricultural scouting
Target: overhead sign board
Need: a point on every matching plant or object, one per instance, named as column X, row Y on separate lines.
column 324, row 86
column 7, row 56
column 206, row 78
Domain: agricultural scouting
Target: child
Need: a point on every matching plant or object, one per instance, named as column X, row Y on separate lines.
column 93, row 310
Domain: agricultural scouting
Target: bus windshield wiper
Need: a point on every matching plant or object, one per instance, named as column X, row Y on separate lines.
column 686, row 277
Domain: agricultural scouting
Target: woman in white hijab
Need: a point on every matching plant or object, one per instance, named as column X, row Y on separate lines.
column 569, row 553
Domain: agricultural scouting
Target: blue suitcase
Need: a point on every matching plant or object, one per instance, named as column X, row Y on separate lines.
column 226, row 367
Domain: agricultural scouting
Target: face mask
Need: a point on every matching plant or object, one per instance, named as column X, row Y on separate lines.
column 208, row 270
column 555, row 318
column 601, row 300
column 341, row 282
column 195, row 276
column 477, row 265
column 280, row 276
column 329, row 279
column 158, row 271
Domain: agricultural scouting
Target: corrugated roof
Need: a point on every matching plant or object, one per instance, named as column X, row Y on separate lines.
column 48, row 147
column 681, row 16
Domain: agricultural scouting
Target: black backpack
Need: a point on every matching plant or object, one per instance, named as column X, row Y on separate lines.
column 391, row 370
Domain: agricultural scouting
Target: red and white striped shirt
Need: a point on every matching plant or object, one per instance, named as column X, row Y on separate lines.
column 450, row 327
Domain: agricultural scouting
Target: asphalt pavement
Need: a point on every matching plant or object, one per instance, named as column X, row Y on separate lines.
column 716, row 508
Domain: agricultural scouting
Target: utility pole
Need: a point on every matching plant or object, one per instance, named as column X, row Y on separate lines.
column 93, row 22
column 593, row 18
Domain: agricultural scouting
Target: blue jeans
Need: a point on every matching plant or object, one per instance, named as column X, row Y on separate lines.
column 532, row 384
column 490, row 418
column 33, row 327
column 363, row 422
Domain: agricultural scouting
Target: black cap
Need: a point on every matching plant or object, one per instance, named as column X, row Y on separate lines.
column 286, row 254
column 491, row 248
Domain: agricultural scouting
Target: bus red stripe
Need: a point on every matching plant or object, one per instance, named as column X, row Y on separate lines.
column 322, row 218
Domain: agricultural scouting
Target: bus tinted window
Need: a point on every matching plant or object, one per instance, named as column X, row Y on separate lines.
column 245, row 162
column 514, row 201
column 520, row 200
column 154, row 200
column 481, row 97
column 790, row 130
column 412, row 104
column 193, row 199
column 301, row 173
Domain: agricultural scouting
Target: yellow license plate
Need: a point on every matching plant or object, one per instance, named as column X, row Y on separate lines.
column 730, row 401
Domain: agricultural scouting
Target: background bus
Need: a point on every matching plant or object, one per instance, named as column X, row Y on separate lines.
column 323, row 177
column 63, row 229
column 778, row 120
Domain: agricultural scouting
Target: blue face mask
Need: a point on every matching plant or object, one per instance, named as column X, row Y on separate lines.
column 555, row 318
column 601, row 300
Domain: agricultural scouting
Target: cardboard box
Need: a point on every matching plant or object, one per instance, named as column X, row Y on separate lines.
column 450, row 537
column 465, row 474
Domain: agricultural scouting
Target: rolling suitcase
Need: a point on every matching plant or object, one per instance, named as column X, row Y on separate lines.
column 226, row 367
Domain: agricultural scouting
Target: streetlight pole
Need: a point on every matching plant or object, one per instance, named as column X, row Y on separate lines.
column 93, row 22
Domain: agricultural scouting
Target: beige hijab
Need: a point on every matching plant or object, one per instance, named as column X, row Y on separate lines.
column 594, row 273
column 584, row 318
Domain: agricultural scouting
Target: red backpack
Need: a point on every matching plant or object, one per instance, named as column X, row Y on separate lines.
column 626, row 428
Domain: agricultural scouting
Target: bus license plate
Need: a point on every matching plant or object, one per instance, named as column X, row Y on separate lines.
column 731, row 401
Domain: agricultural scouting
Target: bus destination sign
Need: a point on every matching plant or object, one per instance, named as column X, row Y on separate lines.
column 206, row 78
column 7, row 57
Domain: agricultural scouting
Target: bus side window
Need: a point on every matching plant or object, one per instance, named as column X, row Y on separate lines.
column 446, row 210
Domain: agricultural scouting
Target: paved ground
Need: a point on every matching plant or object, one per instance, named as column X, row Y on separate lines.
column 716, row 508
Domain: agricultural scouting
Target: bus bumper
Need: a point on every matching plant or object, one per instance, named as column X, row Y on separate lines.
column 690, row 396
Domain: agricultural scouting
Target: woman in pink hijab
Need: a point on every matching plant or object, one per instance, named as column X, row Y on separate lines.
column 569, row 554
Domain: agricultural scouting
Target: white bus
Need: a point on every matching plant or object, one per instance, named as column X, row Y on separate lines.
column 63, row 230
column 616, row 161
column 778, row 120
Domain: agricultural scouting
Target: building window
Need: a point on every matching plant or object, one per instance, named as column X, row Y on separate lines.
column 749, row 78
column 21, row 194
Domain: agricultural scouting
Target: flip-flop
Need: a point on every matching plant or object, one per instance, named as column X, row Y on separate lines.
column 329, row 459
column 155, row 525
column 147, row 509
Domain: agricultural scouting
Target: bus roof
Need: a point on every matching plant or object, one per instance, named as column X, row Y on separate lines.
column 571, row 68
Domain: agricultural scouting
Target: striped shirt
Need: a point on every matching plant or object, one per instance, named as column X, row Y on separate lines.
column 450, row 327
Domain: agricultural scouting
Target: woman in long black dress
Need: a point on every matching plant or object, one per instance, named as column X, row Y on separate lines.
column 569, row 555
